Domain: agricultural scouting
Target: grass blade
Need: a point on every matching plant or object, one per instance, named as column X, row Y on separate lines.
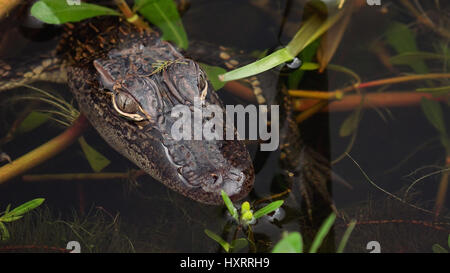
column 323, row 231
column 268, row 209
column 218, row 239
column 345, row 237
column 230, row 206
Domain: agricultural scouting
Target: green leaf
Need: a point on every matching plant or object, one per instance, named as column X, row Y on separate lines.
column 276, row 58
column 322, row 233
column 218, row 239
column 350, row 124
column 7, row 208
column 97, row 161
column 4, row 232
column 409, row 58
column 439, row 249
column 268, row 209
column 345, row 237
column 9, row 218
column 291, row 243
column 312, row 29
column 229, row 204
column 306, row 56
column 59, row 12
column 403, row 40
column 238, row 244
column 32, row 121
column 440, row 89
column 434, row 114
column 213, row 73
column 309, row 66
column 164, row 14
column 26, row 207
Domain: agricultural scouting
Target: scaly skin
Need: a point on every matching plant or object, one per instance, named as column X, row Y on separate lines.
column 111, row 59
column 106, row 58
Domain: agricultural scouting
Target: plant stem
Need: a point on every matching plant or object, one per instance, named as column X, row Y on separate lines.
column 311, row 111
column 442, row 191
column 350, row 102
column 43, row 152
column 130, row 15
column 82, row 176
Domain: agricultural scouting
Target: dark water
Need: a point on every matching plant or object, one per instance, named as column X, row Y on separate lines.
column 155, row 219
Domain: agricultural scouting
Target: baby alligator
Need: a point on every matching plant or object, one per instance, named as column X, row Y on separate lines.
column 126, row 81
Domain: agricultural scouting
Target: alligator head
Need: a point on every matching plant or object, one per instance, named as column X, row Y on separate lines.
column 128, row 96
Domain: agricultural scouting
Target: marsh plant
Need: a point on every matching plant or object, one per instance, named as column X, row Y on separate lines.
column 243, row 218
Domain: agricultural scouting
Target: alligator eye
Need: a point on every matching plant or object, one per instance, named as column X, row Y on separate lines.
column 125, row 105
column 202, row 82
column 202, row 85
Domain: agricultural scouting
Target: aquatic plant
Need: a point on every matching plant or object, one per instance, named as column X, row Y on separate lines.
column 15, row 214
column 437, row 248
column 42, row 231
column 293, row 242
column 244, row 219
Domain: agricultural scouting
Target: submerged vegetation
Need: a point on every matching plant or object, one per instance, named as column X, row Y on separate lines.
column 411, row 72
column 42, row 231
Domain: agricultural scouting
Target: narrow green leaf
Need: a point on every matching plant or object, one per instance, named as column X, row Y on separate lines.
column 411, row 57
column 276, row 58
column 164, row 14
column 229, row 205
column 32, row 121
column 213, row 73
column 322, row 233
column 238, row 244
column 448, row 241
column 309, row 66
column 4, row 232
column 403, row 40
column 434, row 114
column 218, row 239
column 97, row 161
column 345, row 237
column 439, row 249
column 26, row 207
column 7, row 208
column 268, row 209
column 291, row 243
column 443, row 89
column 312, row 29
column 9, row 218
column 350, row 124
column 59, row 12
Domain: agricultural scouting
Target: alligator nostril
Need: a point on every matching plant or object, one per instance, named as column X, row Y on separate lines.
column 215, row 177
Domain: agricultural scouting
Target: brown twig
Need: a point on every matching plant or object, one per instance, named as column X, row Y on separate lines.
column 401, row 221
column 43, row 152
column 350, row 102
column 51, row 248
column 82, row 176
